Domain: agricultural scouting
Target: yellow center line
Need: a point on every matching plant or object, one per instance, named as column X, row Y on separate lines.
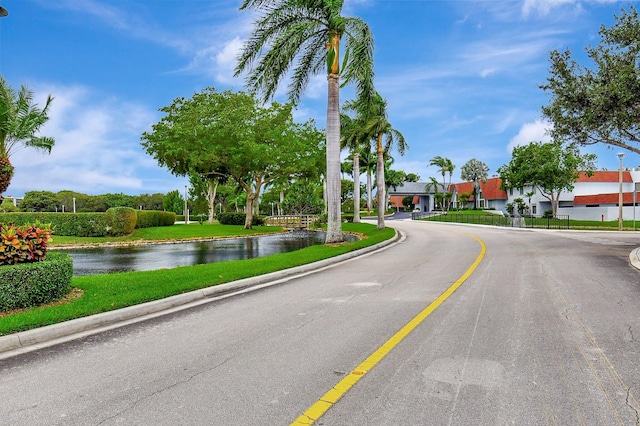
column 321, row 406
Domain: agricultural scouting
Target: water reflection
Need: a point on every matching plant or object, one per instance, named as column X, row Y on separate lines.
column 103, row 260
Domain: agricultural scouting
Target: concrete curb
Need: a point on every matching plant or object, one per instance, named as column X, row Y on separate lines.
column 634, row 258
column 93, row 324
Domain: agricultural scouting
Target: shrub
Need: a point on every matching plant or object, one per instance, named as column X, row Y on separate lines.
column 76, row 225
column 235, row 218
column 23, row 244
column 121, row 220
column 347, row 218
column 36, row 283
column 152, row 218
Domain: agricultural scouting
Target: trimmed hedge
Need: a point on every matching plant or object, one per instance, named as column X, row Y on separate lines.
column 235, row 218
column 33, row 284
column 121, row 220
column 152, row 218
column 93, row 224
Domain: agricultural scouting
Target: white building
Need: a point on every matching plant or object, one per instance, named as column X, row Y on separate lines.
column 593, row 197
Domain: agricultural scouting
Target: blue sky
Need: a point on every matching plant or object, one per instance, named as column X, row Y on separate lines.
column 460, row 77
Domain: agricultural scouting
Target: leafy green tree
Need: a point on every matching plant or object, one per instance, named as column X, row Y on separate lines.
column 7, row 206
column 412, row 177
column 305, row 197
column 550, row 167
column 148, row 201
column 173, row 202
column 308, row 34
column 119, row 200
column 475, row 171
column 39, row 201
column 407, row 202
column 228, row 134
column 600, row 104
column 20, row 120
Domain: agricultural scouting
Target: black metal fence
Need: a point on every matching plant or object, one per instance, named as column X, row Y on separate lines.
column 558, row 222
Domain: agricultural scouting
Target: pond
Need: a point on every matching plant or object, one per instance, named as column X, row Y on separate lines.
column 104, row 260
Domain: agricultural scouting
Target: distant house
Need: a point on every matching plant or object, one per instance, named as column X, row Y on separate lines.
column 490, row 195
column 592, row 198
column 423, row 198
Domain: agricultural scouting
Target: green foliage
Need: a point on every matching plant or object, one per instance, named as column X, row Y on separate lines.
column 7, row 206
column 173, row 202
column 551, row 167
column 33, row 284
column 23, row 244
column 304, row 197
column 236, row 218
column 121, row 220
column 599, row 104
column 20, row 121
column 39, row 201
column 152, row 218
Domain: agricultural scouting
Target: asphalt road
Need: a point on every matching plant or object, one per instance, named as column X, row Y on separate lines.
column 546, row 330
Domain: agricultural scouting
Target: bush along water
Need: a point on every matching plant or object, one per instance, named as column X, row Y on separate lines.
column 28, row 276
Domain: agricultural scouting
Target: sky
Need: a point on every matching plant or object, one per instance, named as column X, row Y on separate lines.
column 461, row 78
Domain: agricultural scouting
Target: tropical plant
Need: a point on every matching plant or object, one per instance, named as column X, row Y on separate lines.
column 368, row 161
column 433, row 184
column 475, row 171
column 379, row 127
column 309, row 34
column 445, row 165
column 354, row 137
column 23, row 244
column 20, row 120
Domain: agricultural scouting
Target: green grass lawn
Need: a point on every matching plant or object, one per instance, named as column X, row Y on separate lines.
column 101, row 293
column 175, row 232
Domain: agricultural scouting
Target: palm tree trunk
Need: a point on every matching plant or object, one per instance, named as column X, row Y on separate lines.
column 380, row 184
column 334, row 227
column 356, row 187
column 369, row 190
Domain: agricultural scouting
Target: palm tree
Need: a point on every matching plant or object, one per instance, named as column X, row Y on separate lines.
column 368, row 161
column 20, row 120
column 309, row 33
column 354, row 137
column 435, row 185
column 378, row 126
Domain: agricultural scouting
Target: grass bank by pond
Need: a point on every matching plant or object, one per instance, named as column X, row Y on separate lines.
column 102, row 293
column 175, row 232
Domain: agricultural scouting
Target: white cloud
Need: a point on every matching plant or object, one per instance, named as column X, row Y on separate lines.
column 530, row 132
column 97, row 147
column 543, row 7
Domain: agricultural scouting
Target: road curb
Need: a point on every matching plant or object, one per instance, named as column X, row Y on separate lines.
column 67, row 329
column 634, row 258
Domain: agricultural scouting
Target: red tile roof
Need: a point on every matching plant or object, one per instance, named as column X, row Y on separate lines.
column 605, row 176
column 490, row 190
column 396, row 200
column 599, row 199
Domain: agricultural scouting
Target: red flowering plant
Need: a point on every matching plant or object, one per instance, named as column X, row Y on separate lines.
column 23, row 244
